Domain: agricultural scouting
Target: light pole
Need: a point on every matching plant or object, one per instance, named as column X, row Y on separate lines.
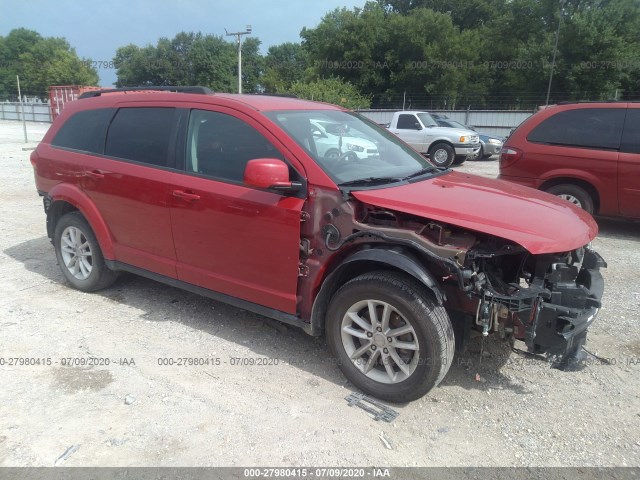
column 238, row 36
column 555, row 50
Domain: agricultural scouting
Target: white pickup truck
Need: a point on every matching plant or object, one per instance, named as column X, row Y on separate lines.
column 444, row 146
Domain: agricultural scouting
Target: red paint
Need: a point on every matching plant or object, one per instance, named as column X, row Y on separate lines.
column 265, row 172
column 533, row 219
column 243, row 240
column 612, row 174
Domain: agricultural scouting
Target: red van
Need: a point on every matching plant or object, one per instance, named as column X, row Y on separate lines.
column 586, row 153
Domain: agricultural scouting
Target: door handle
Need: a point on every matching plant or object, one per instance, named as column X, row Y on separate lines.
column 95, row 174
column 192, row 197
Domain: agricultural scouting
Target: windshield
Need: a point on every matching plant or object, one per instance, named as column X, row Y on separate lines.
column 427, row 120
column 455, row 124
column 350, row 148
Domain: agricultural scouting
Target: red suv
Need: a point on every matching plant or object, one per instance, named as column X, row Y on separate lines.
column 587, row 153
column 393, row 259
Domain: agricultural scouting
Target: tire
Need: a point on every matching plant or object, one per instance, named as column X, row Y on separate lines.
column 459, row 160
column 87, row 271
column 332, row 154
column 574, row 194
column 427, row 330
column 439, row 151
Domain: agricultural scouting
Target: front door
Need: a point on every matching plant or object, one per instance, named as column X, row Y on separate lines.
column 230, row 238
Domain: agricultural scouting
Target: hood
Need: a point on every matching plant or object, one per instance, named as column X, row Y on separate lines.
column 458, row 131
column 540, row 222
column 359, row 141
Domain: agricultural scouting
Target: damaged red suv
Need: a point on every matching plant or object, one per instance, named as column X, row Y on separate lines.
column 393, row 259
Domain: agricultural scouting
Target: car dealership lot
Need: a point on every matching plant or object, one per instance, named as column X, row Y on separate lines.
column 255, row 392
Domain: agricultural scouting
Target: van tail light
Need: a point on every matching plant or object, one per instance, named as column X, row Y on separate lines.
column 509, row 156
column 34, row 158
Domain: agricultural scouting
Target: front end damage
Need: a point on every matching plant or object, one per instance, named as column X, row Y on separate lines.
column 490, row 285
column 548, row 301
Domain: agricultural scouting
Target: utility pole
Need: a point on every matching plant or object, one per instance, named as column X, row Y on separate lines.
column 24, row 122
column 238, row 36
column 555, row 50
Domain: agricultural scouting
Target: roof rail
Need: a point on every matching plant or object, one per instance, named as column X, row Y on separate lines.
column 283, row 95
column 180, row 89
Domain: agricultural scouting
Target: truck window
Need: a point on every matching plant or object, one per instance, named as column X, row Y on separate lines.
column 407, row 122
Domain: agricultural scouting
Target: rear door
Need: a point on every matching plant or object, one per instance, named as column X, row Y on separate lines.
column 129, row 186
column 629, row 165
column 231, row 238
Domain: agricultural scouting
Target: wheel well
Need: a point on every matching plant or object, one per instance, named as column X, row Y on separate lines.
column 344, row 274
column 590, row 189
column 56, row 211
column 435, row 142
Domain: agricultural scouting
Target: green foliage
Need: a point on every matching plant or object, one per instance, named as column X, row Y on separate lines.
column 40, row 62
column 285, row 64
column 187, row 59
column 479, row 52
column 331, row 90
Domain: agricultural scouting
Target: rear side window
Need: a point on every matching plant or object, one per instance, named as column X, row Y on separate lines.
column 84, row 131
column 631, row 135
column 141, row 134
column 585, row 127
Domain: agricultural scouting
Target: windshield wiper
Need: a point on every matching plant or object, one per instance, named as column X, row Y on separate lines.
column 422, row 171
column 368, row 180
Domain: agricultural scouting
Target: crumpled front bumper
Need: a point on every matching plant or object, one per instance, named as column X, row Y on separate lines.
column 561, row 315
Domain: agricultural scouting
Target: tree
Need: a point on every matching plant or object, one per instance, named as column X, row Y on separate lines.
column 188, row 59
column 40, row 62
column 331, row 90
column 285, row 64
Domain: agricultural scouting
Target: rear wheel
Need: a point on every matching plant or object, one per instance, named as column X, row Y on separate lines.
column 79, row 254
column 442, row 154
column 574, row 194
column 390, row 338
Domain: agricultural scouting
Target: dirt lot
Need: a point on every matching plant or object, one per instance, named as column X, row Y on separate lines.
column 134, row 412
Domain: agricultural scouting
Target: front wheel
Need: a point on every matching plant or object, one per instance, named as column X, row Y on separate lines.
column 442, row 154
column 389, row 337
column 79, row 254
column 574, row 194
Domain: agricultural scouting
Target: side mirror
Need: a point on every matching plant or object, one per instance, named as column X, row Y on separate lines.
column 417, row 126
column 270, row 174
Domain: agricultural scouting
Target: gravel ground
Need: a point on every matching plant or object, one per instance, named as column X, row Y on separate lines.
column 502, row 410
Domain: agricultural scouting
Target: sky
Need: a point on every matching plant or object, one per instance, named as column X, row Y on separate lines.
column 97, row 29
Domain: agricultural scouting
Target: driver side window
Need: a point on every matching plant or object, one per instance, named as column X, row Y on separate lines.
column 220, row 145
column 407, row 122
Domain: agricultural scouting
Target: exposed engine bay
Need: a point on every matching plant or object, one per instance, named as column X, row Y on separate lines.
column 495, row 286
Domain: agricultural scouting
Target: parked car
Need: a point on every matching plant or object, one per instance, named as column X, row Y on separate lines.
column 586, row 153
column 489, row 144
column 333, row 140
column 444, row 146
column 394, row 260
